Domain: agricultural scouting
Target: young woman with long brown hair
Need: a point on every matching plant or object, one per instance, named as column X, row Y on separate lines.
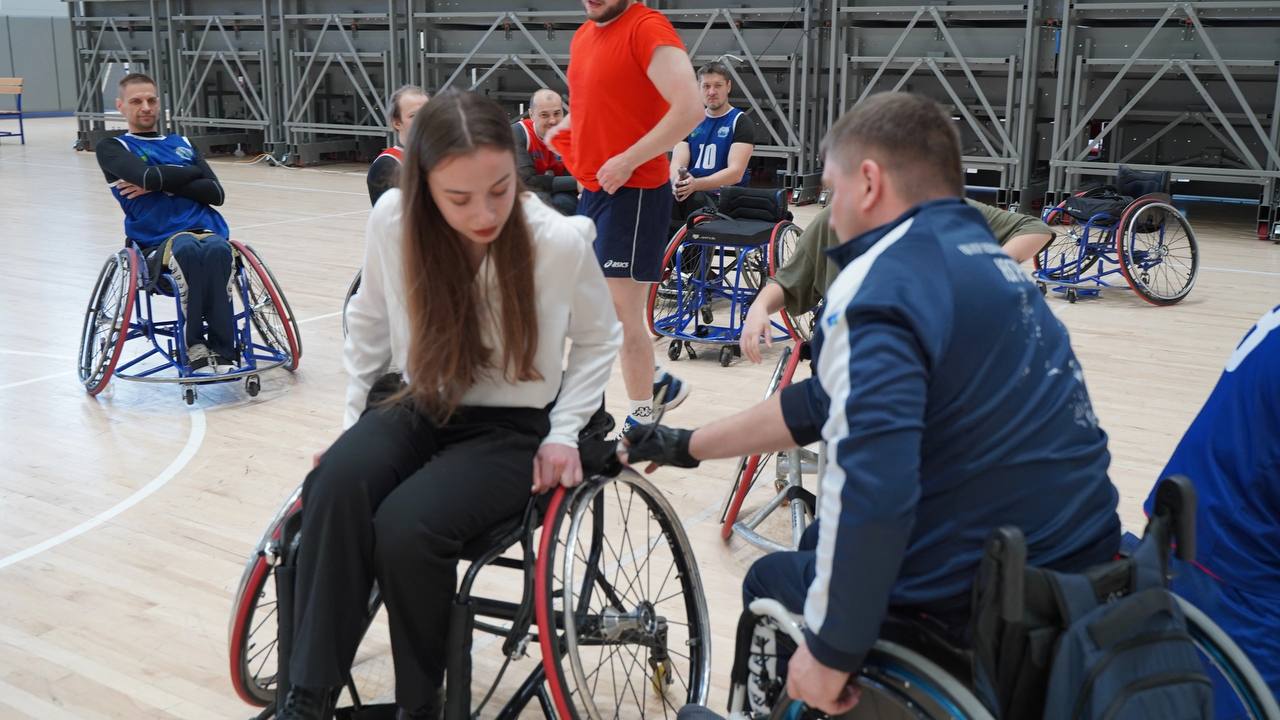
column 475, row 288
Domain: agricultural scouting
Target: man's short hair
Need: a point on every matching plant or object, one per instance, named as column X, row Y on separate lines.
column 544, row 92
column 136, row 78
column 715, row 67
column 910, row 136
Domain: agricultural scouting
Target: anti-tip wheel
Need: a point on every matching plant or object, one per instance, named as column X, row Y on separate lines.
column 726, row 356
column 1072, row 296
column 189, row 394
column 252, row 385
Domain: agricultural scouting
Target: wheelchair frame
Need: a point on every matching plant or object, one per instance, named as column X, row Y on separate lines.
column 692, row 318
column 281, row 341
column 553, row 681
column 790, row 468
column 1065, row 263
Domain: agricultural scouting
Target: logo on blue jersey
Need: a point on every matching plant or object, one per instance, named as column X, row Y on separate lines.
column 723, row 131
column 185, row 153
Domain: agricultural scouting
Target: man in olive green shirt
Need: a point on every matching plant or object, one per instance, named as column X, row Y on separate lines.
column 802, row 282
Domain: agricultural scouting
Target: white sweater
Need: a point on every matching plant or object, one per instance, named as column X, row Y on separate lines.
column 573, row 305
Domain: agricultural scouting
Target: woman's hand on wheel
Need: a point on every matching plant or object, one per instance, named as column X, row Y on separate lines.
column 819, row 686
column 556, row 464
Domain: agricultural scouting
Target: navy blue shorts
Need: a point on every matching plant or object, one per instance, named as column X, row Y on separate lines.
column 631, row 230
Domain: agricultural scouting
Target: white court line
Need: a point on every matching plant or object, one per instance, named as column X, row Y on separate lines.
column 68, row 358
column 194, row 440
column 32, row 381
column 320, row 317
column 1242, row 272
column 85, row 168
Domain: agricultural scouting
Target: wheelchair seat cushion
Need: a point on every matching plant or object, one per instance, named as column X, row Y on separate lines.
column 1104, row 201
column 726, row 231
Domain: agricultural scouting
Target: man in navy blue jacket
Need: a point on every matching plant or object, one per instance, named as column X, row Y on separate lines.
column 948, row 395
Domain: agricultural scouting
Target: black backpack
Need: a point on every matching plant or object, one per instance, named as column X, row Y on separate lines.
column 1109, row 643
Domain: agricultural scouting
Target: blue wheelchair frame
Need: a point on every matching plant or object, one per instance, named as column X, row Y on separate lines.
column 255, row 357
column 695, row 293
column 1101, row 253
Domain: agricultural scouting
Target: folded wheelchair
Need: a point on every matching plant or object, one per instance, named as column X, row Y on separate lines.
column 604, row 584
column 1131, row 225
column 1001, row 666
column 714, row 267
column 120, row 310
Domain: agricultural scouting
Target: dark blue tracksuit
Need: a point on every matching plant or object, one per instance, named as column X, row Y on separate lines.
column 951, row 404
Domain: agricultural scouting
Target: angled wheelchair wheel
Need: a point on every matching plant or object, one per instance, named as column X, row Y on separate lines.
column 106, row 319
column 1157, row 252
column 253, row 635
column 751, row 468
column 622, row 620
column 270, row 311
column 1066, row 257
column 781, row 248
column 1239, row 690
column 896, row 681
column 671, row 299
column 352, row 289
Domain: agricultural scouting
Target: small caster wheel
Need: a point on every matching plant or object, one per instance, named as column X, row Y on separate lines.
column 726, row 356
column 252, row 385
column 673, row 350
column 1044, row 289
column 662, row 676
column 708, row 317
column 189, row 394
column 1072, row 296
column 688, row 350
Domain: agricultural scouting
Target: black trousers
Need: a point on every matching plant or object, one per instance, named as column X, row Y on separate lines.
column 201, row 265
column 395, row 499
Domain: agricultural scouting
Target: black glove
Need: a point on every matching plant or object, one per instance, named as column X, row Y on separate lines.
column 660, row 444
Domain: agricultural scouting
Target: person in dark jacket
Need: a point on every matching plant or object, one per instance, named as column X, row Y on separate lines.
column 384, row 171
column 947, row 393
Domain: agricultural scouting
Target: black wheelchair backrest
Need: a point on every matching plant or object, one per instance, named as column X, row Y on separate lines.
column 1136, row 183
column 744, row 203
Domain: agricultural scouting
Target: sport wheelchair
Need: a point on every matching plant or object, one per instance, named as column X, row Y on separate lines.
column 1132, row 225
column 609, row 592
column 717, row 263
column 789, row 468
column 918, row 669
column 120, row 309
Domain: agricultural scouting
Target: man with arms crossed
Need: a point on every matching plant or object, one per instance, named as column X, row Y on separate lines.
column 634, row 97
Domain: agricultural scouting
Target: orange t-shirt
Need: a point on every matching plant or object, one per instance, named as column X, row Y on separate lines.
column 614, row 103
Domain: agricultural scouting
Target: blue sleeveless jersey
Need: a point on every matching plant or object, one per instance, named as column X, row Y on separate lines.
column 152, row 218
column 1231, row 452
column 709, row 144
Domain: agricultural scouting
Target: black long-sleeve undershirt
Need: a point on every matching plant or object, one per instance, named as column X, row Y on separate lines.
column 196, row 182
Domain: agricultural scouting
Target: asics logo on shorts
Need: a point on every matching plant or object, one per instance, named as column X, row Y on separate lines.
column 616, row 264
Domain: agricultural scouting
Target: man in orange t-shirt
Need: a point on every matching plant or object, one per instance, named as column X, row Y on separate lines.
column 634, row 96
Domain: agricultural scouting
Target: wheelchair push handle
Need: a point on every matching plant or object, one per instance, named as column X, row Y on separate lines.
column 1176, row 503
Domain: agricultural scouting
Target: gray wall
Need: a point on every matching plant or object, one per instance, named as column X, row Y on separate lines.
column 36, row 45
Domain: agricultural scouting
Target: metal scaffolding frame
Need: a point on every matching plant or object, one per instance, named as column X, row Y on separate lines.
column 107, row 33
column 510, row 52
column 338, row 71
column 224, row 73
column 1236, row 116
column 931, row 41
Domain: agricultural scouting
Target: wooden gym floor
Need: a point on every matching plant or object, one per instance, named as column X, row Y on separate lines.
column 125, row 520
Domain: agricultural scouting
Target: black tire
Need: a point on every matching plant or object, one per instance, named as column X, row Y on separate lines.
column 352, row 289
column 1157, row 251
column 106, row 320
column 673, row 350
column 634, row 602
